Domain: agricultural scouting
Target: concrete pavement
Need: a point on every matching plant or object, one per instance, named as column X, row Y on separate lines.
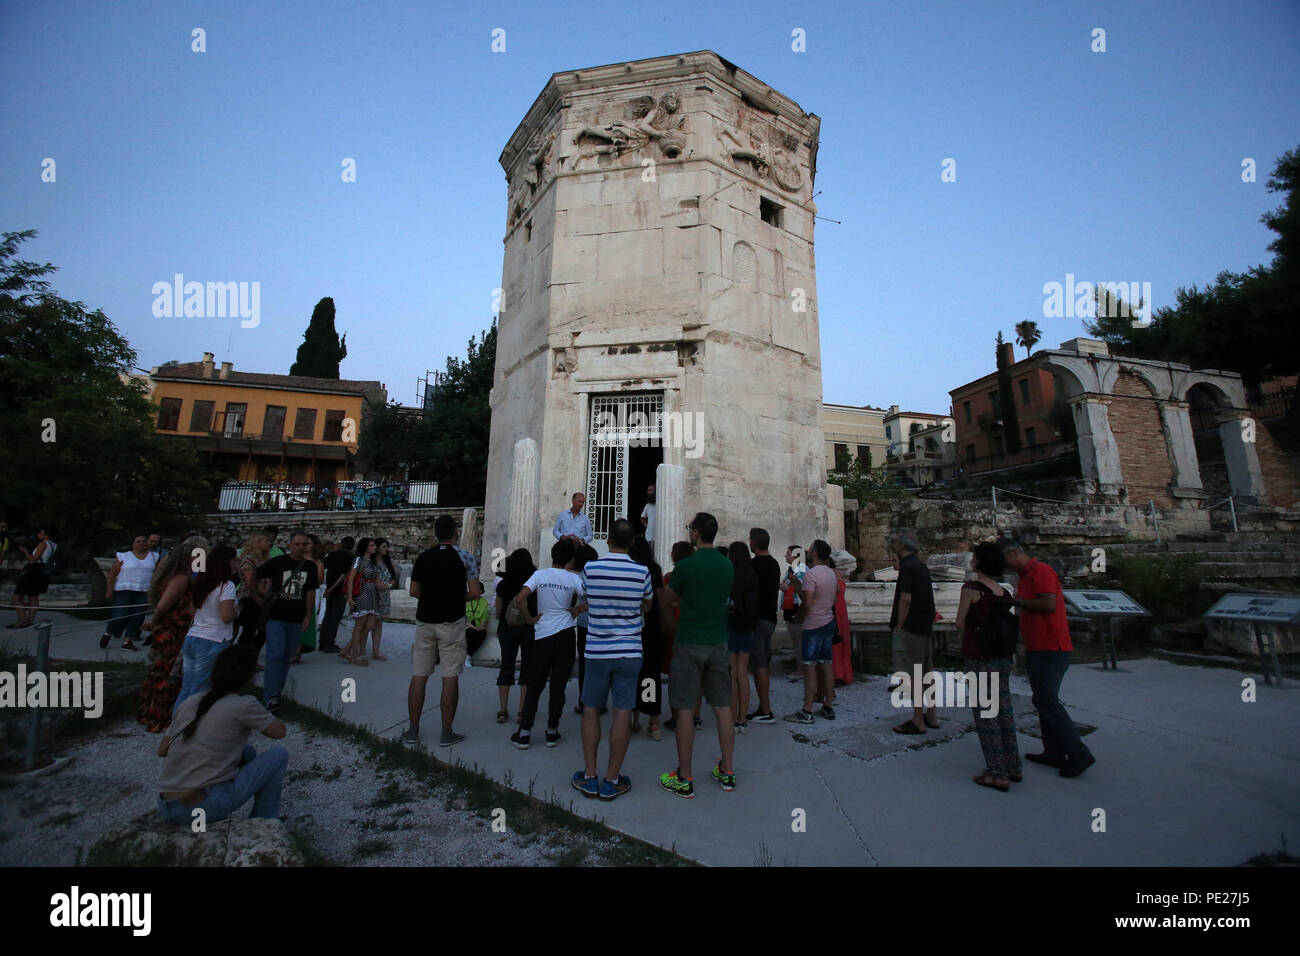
column 1187, row 773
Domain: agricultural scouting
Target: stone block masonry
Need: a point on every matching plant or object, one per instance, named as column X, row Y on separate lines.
column 408, row 530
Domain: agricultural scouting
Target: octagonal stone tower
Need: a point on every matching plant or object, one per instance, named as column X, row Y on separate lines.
column 659, row 301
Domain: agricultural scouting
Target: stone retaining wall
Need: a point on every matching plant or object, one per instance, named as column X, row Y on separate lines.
column 408, row 530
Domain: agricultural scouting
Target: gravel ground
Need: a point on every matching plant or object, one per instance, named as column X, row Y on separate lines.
column 348, row 811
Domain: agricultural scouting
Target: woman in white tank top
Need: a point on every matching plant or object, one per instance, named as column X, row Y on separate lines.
column 128, row 585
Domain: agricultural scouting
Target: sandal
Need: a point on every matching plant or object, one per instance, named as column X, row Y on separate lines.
column 907, row 727
column 987, row 779
column 502, row 716
column 1015, row 777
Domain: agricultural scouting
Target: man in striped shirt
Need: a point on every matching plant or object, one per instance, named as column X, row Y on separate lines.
column 618, row 594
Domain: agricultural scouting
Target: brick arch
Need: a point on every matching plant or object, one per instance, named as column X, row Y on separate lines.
column 1144, row 452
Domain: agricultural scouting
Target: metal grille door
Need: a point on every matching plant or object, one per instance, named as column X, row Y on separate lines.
column 617, row 421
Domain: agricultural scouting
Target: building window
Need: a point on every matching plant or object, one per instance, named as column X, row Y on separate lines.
column 1024, row 391
column 273, row 422
column 999, row 447
column 966, row 406
column 841, row 457
column 864, row 455
column 770, row 212
column 304, row 425
column 1030, row 438
column 234, row 426
column 201, row 416
column 333, row 425
column 169, row 414
column 970, row 453
column 889, row 431
column 995, row 403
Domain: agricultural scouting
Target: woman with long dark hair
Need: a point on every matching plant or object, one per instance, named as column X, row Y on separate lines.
column 642, row 552
column 213, row 596
column 210, row 765
column 741, row 622
column 388, row 575
column 172, row 616
column 364, row 603
column 514, row 630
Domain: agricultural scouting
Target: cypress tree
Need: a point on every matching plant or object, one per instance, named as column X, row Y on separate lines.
column 322, row 350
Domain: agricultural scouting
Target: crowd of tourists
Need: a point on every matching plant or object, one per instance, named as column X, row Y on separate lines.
column 703, row 631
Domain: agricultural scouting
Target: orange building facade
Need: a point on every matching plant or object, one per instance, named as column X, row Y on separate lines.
column 981, row 426
column 263, row 427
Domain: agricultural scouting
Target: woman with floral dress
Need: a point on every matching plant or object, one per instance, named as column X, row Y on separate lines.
column 363, row 588
column 169, row 622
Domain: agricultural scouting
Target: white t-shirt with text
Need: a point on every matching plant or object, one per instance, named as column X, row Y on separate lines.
column 556, row 590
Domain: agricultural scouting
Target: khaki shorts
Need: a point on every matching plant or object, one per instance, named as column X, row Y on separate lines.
column 911, row 649
column 696, row 669
column 439, row 644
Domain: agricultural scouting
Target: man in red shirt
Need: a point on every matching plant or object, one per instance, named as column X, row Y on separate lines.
column 1046, row 636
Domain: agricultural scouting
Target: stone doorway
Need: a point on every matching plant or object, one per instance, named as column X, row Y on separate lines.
column 623, row 449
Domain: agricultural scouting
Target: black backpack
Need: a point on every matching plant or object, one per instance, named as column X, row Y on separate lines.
column 56, row 564
column 1001, row 633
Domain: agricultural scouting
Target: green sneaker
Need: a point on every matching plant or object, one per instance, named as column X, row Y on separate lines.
column 726, row 780
column 674, row 784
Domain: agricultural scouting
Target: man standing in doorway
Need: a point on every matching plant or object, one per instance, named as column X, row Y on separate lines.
column 648, row 515
column 1046, row 635
column 701, row 585
column 440, row 581
column 574, row 523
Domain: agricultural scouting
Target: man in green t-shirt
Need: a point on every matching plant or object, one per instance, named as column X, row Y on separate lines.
column 701, row 586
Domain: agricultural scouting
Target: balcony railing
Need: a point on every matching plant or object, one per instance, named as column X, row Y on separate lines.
column 340, row 496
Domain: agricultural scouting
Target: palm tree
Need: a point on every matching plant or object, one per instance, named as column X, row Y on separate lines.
column 1027, row 334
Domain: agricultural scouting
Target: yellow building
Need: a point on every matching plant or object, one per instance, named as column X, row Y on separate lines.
column 854, row 431
column 261, row 427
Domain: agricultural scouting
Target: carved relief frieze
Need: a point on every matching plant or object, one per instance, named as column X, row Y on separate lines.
column 650, row 128
column 769, row 151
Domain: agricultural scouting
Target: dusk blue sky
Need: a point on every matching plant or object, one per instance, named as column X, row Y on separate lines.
column 225, row 165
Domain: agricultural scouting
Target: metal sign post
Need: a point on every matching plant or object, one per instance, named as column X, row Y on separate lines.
column 1257, row 610
column 34, row 717
column 1107, row 608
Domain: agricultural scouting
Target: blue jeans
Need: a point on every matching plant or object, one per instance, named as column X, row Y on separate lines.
column 197, row 658
column 817, row 643
column 1060, row 738
column 283, row 638
column 260, row 777
column 124, row 620
column 611, row 677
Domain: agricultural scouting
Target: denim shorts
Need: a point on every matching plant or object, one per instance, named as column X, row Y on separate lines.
column 739, row 642
column 611, row 676
column 817, row 643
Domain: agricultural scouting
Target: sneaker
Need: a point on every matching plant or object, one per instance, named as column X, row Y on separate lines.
column 698, row 723
column 674, row 784
column 587, row 786
column 411, row 738
column 742, row 726
column 826, row 712
column 613, row 789
column 670, row 724
column 726, row 780
column 103, row 641
column 148, row 641
column 273, row 704
column 758, row 717
column 450, row 738
column 127, row 645
column 800, row 717
column 520, row 740
column 552, row 737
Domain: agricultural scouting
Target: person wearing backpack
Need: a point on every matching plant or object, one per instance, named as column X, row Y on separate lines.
column 35, row 579
column 742, row 621
column 514, row 629
column 988, row 629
